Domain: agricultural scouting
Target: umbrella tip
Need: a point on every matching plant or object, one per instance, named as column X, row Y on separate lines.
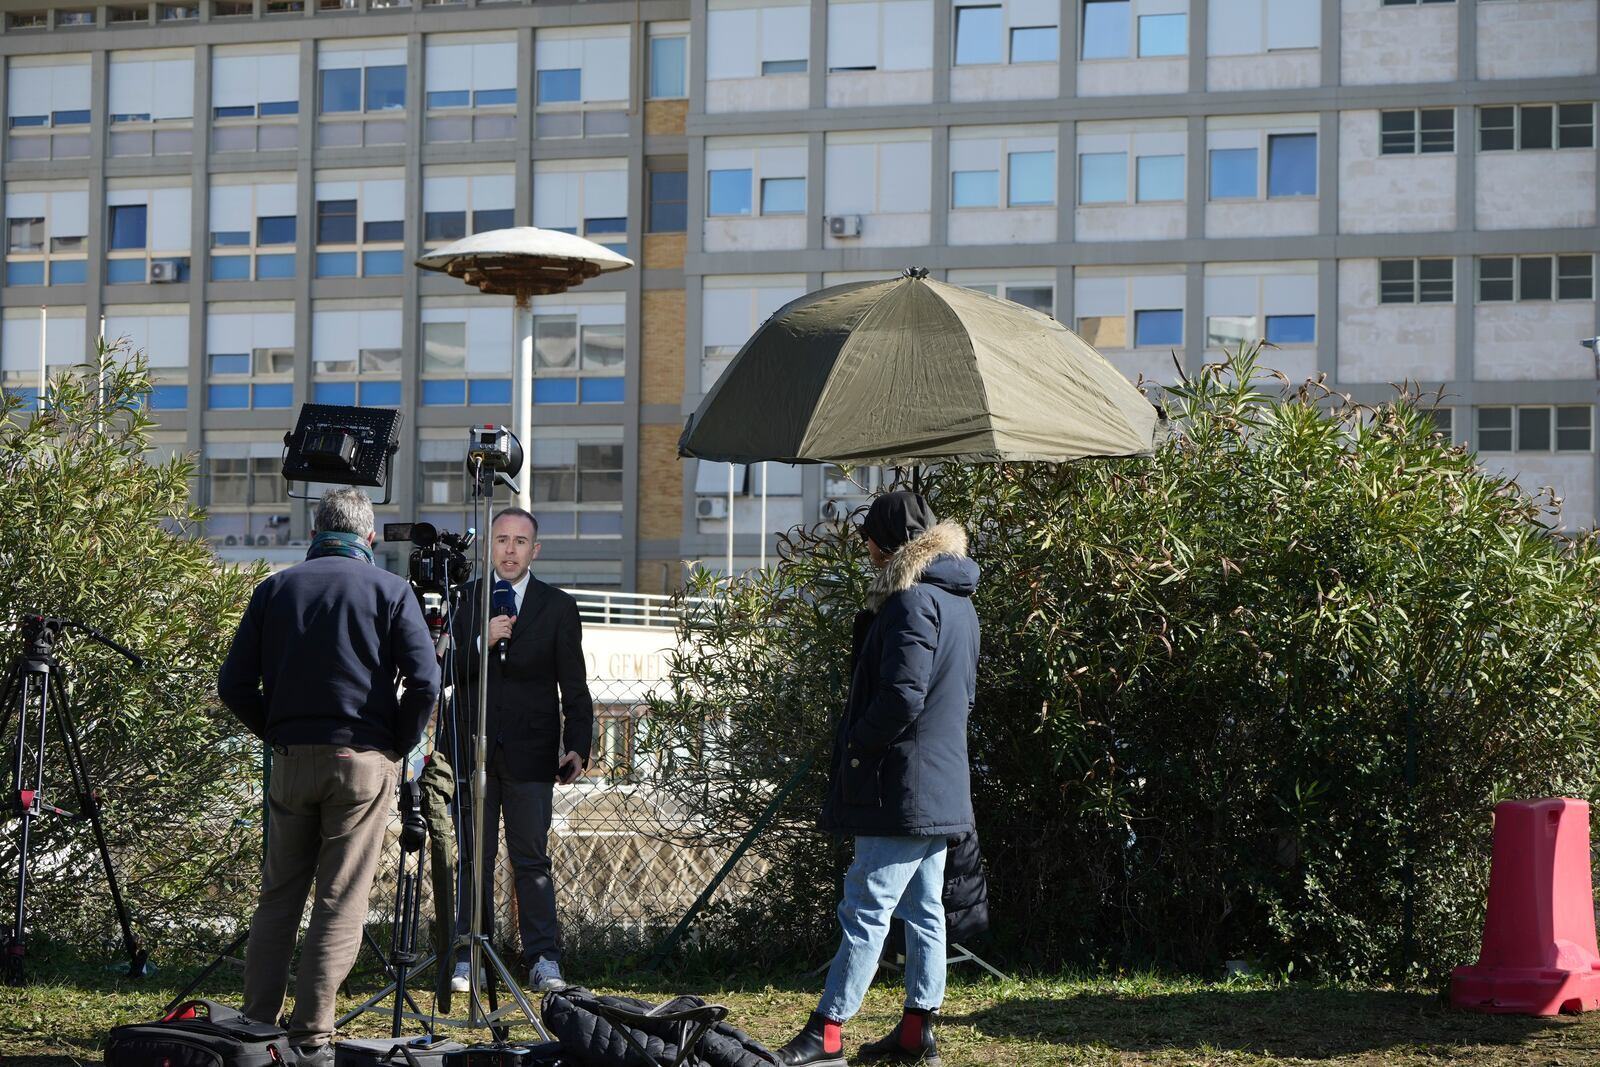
column 914, row 272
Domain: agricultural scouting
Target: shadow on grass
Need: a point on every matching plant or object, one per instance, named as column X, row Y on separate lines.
column 1292, row 1022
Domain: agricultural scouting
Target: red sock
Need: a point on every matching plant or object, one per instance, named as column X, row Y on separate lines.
column 911, row 1030
column 832, row 1036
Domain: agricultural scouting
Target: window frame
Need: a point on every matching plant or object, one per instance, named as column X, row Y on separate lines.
column 1563, row 267
column 1516, row 129
column 1417, row 135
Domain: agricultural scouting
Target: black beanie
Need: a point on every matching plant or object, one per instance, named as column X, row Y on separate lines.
column 896, row 518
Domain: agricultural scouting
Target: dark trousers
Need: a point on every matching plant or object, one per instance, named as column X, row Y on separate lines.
column 525, row 808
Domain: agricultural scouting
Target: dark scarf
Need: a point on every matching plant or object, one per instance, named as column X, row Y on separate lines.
column 339, row 543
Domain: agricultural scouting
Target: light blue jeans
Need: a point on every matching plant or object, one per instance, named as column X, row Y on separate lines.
column 892, row 877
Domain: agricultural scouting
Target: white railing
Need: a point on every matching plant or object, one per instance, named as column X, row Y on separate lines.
column 604, row 607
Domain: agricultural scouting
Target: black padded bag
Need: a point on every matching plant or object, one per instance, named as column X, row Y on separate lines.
column 394, row 1052
column 199, row 1033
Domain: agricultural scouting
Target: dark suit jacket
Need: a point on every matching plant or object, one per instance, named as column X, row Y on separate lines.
column 539, row 703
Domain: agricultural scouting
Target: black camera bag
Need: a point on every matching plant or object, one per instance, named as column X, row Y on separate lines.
column 199, row 1033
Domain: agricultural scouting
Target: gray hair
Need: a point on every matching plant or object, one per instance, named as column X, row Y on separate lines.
column 345, row 510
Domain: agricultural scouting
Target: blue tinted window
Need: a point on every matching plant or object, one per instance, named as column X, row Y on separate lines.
column 268, row 267
column 1106, row 29
column 975, row 188
column 783, row 66
column 1158, row 327
column 497, row 219
column 169, row 397
column 25, row 273
column 602, row 390
column 244, row 111
column 341, row 90
column 130, row 117
column 454, row 98
column 783, row 196
column 343, row 393
column 230, row 268
column 593, row 226
column 280, row 107
column 275, row 230
column 125, row 271
column 494, row 97
column 449, row 391
column 1031, row 179
column 336, row 264
column 668, row 75
column 70, row 118
column 1035, row 44
column 127, row 226
column 1292, row 164
column 380, row 394
column 1163, row 35
column 730, row 192
column 386, row 88
column 19, row 122
column 978, row 37
column 230, row 362
column 555, row 391
column 229, row 238
column 491, row 390
column 383, row 264
column 1160, row 178
column 220, row 397
column 560, row 86
column 600, row 523
column 1233, row 173
column 1103, row 178
column 1291, row 329
column 557, row 523
column 69, row 271
column 280, row 395
column 384, row 230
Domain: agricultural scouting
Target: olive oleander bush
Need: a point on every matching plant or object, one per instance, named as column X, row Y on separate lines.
column 1254, row 697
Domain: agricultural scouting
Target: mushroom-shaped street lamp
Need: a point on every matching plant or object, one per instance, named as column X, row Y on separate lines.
column 523, row 262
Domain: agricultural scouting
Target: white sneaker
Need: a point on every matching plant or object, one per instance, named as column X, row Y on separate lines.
column 547, row 976
column 460, row 982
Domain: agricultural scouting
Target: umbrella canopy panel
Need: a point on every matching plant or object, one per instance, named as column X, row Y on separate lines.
column 911, row 369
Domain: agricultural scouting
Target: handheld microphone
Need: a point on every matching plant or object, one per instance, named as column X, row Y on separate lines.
column 504, row 599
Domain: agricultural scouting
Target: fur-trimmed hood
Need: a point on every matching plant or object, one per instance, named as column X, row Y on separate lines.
column 937, row 555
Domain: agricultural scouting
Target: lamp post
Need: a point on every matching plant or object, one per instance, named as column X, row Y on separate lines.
column 1593, row 345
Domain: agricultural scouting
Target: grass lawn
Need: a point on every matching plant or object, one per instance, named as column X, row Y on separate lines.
column 62, row 1016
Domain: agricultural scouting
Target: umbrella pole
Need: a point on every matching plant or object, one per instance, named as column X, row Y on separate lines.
column 522, row 394
column 730, row 525
column 763, row 515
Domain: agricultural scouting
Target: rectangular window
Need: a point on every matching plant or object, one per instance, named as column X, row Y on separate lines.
column 25, row 235
column 275, row 230
column 1533, row 429
column 1413, row 281
column 1574, row 428
column 128, row 226
column 1496, row 279
column 1574, row 277
column 1107, row 27
column 1576, row 128
column 783, row 66
column 668, row 67
column 1535, row 278
column 669, row 201
column 1291, row 164
column 783, row 196
column 444, row 225
column 1035, row 44
column 975, row 188
column 386, row 230
column 1163, row 327
column 1163, row 35
column 1291, row 329
column 1535, row 127
column 562, row 86
column 1233, row 173
column 448, row 99
column 978, row 36
column 729, row 192
column 1410, row 132
column 341, row 90
column 1494, row 429
column 336, row 222
column 1103, row 178
column 1160, row 178
column 1031, row 179
column 386, row 88
column 493, row 219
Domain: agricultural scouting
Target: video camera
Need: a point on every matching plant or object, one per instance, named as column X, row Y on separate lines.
column 439, row 562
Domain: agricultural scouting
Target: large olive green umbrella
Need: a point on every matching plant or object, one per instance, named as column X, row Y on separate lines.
column 913, row 370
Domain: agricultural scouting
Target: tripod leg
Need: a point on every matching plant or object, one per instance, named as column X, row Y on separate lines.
column 18, row 689
column 89, row 800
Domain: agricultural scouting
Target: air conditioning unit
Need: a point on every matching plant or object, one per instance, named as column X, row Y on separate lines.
column 835, row 511
column 710, row 507
column 164, row 270
column 844, row 225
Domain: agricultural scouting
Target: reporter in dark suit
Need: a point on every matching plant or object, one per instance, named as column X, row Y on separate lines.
column 540, row 722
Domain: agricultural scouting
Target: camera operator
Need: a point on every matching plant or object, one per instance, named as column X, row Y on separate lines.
column 312, row 671
column 540, row 717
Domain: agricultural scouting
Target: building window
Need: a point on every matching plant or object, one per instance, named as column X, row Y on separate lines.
column 1104, row 179
column 762, row 41
column 47, row 111
column 1027, row 174
column 1538, row 428
column 1416, row 281
column 45, row 238
column 263, row 247
column 576, row 364
column 1162, row 326
column 1535, row 278
column 581, row 84
column 254, row 102
column 1112, row 30
column 986, row 37
column 1535, row 126
column 261, row 378
column 669, row 201
column 360, row 227
column 577, row 487
column 590, row 203
column 975, row 188
column 669, row 69
column 147, row 236
column 466, row 357
column 359, row 103
column 783, row 66
column 471, row 92
column 1291, row 168
column 456, row 205
column 1412, row 131
column 1233, row 174
column 153, row 106
column 1409, row 3
column 783, row 196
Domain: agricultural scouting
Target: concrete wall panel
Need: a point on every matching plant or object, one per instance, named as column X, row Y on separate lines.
column 1287, row 70
column 1533, row 341
column 1383, row 45
column 1536, row 39
column 1535, row 190
column 1390, row 342
column 1131, row 222
column 1124, row 77
column 1256, row 218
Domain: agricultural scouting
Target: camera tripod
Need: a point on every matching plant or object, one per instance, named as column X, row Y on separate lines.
column 33, row 691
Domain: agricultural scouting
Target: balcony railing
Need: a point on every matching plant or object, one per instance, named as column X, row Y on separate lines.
column 606, row 608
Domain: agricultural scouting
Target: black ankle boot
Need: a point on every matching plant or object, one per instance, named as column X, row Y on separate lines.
column 891, row 1049
column 808, row 1049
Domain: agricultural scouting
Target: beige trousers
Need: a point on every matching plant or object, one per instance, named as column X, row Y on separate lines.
column 327, row 808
